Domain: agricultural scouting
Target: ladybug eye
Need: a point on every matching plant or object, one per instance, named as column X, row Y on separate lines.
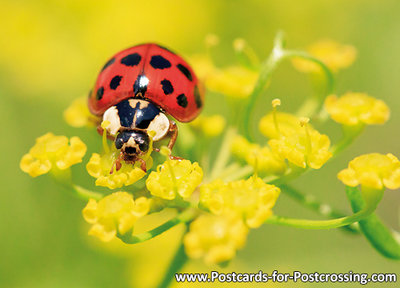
column 144, row 146
column 119, row 142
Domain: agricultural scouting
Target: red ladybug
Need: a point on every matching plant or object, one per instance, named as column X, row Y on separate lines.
column 135, row 90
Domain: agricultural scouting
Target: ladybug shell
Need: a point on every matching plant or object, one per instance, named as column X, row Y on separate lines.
column 150, row 72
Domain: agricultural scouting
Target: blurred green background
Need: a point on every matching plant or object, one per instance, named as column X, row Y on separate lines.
column 50, row 54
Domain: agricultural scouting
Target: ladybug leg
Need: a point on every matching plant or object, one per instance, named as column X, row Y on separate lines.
column 142, row 164
column 173, row 129
column 100, row 130
column 175, row 157
column 117, row 163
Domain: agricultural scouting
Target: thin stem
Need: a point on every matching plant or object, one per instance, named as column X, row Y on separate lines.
column 79, row 191
column 176, row 265
column 310, row 202
column 183, row 217
column 86, row 194
column 245, row 54
column 267, row 68
column 350, row 134
column 239, row 174
column 321, row 224
column 328, row 74
column 290, row 175
column 230, row 169
column 223, row 154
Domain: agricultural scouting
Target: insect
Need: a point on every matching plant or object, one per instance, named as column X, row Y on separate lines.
column 136, row 90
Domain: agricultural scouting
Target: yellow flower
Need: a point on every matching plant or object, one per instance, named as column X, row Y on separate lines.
column 216, row 238
column 251, row 199
column 288, row 124
column 357, row 108
column 261, row 158
column 52, row 151
column 211, row 126
column 305, row 148
column 100, row 166
column 235, row 81
column 78, row 114
column 173, row 178
column 334, row 55
column 202, row 65
column 114, row 213
column 373, row 171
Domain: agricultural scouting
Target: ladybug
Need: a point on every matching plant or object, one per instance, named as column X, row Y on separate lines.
column 136, row 90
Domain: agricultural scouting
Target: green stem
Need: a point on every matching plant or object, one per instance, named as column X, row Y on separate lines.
column 350, row 134
column 176, row 265
column 86, row 194
column 328, row 74
column 310, row 202
column 239, row 174
column 322, row 224
column 183, row 217
column 267, row 68
column 291, row 174
column 223, row 154
column 66, row 181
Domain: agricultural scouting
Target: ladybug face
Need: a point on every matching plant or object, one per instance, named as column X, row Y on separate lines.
column 132, row 144
column 148, row 72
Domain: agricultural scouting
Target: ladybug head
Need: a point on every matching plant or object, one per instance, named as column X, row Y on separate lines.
column 132, row 143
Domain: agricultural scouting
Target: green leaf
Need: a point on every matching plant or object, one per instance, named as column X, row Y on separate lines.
column 380, row 236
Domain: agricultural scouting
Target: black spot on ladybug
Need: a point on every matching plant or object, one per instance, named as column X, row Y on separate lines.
column 197, row 97
column 140, row 85
column 182, row 100
column 131, row 60
column 99, row 93
column 159, row 62
column 109, row 62
column 115, row 82
column 167, row 87
column 185, row 71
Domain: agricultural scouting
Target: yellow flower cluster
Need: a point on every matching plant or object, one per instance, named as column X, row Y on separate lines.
column 117, row 212
column 216, row 238
column 234, row 81
column 372, row 171
column 357, row 108
column 251, row 199
column 78, row 114
column 174, row 178
column 334, row 55
column 305, row 148
column 52, row 152
column 203, row 66
column 99, row 167
column 261, row 158
column 210, row 126
column 288, row 124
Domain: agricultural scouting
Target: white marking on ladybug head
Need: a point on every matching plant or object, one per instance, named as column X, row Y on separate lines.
column 160, row 125
column 112, row 116
column 142, row 103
